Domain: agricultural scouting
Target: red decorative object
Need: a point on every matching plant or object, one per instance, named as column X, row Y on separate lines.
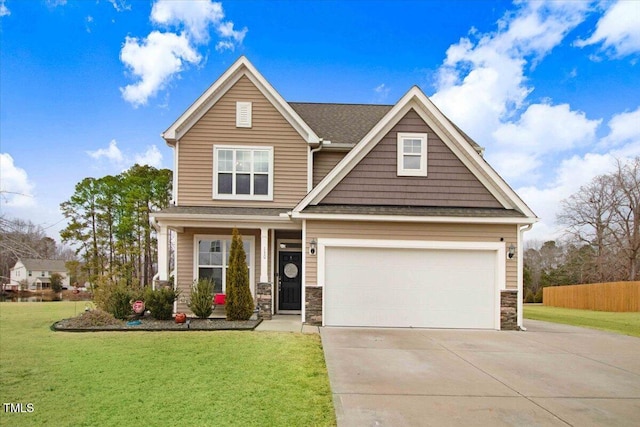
column 138, row 307
column 219, row 299
column 181, row 318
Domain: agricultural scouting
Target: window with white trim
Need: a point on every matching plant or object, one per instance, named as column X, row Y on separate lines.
column 412, row 154
column 243, row 173
column 212, row 259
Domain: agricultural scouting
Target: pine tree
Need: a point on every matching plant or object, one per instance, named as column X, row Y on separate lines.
column 239, row 302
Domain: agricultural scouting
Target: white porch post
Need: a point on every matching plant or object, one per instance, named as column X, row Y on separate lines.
column 163, row 253
column 264, row 254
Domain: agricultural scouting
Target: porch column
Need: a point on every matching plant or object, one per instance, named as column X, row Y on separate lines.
column 163, row 253
column 264, row 254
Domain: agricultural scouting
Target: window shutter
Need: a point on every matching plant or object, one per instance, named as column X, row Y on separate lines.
column 243, row 114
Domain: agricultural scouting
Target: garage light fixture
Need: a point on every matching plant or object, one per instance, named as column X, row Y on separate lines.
column 312, row 247
column 512, row 251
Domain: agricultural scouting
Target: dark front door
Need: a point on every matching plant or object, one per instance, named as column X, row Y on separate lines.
column 290, row 281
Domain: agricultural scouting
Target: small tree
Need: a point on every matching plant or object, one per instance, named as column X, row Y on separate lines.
column 56, row 282
column 201, row 298
column 239, row 302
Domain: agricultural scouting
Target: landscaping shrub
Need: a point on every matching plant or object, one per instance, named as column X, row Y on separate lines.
column 239, row 302
column 115, row 298
column 56, row 282
column 201, row 298
column 160, row 302
column 528, row 296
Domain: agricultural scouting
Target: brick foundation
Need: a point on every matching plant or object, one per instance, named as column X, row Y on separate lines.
column 509, row 310
column 313, row 306
column 264, row 297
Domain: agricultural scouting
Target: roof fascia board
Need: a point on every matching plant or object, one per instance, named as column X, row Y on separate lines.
column 242, row 67
column 404, row 218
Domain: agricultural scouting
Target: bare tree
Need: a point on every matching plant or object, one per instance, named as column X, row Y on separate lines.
column 605, row 214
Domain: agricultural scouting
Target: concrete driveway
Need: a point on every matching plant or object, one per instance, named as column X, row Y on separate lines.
column 549, row 375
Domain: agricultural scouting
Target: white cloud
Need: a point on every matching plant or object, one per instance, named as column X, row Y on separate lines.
column 151, row 157
column 482, row 82
column 115, row 157
column 625, row 129
column 161, row 55
column 15, row 187
column 154, row 60
column 120, row 5
column 111, row 153
column 56, row 3
column 4, row 10
column 618, row 30
column 382, row 92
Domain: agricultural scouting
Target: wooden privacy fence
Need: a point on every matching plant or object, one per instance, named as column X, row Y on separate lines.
column 613, row 296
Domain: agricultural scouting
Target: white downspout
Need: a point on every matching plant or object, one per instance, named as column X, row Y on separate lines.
column 521, row 231
column 310, row 164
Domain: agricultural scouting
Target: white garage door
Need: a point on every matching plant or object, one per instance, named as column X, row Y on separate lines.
column 393, row 287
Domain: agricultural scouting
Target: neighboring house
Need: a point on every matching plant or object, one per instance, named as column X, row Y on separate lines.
column 352, row 215
column 36, row 273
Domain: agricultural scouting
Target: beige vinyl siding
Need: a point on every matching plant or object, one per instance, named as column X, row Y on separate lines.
column 185, row 268
column 218, row 127
column 323, row 162
column 374, row 180
column 410, row 231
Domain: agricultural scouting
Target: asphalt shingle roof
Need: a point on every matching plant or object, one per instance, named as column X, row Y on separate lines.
column 340, row 123
column 414, row 211
column 43, row 264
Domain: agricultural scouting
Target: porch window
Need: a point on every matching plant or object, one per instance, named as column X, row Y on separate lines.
column 243, row 173
column 213, row 260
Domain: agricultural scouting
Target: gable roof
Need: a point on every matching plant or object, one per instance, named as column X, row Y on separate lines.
column 456, row 141
column 43, row 264
column 242, row 67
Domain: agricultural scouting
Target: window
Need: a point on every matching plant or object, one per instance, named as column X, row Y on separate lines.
column 213, row 259
column 243, row 114
column 243, row 173
column 412, row 154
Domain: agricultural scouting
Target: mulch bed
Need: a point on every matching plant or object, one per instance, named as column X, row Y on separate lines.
column 149, row 324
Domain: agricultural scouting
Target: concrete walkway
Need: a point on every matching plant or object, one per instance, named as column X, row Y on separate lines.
column 287, row 323
column 550, row 375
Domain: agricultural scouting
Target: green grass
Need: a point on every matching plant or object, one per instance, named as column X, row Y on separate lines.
column 157, row 378
column 622, row 323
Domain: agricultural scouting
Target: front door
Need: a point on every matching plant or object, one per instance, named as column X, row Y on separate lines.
column 290, row 280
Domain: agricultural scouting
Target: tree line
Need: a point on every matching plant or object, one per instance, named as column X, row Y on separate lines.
column 601, row 238
column 108, row 223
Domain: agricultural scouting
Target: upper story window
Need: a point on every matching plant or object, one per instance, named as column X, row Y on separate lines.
column 243, row 173
column 243, row 114
column 412, row 154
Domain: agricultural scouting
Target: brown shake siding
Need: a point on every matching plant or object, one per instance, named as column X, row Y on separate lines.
column 185, row 262
column 374, row 180
column 323, row 162
column 411, row 231
column 218, row 127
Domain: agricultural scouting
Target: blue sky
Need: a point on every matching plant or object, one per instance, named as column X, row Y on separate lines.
column 550, row 89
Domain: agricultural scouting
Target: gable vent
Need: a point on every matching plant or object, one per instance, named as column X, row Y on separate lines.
column 243, row 114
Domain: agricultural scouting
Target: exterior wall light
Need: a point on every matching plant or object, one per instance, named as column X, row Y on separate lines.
column 512, row 251
column 312, row 247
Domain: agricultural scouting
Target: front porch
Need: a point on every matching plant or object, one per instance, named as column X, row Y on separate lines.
column 200, row 239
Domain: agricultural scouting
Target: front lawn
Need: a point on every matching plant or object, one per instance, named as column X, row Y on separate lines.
column 622, row 323
column 156, row 378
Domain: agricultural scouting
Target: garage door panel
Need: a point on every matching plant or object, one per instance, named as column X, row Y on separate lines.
column 410, row 287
